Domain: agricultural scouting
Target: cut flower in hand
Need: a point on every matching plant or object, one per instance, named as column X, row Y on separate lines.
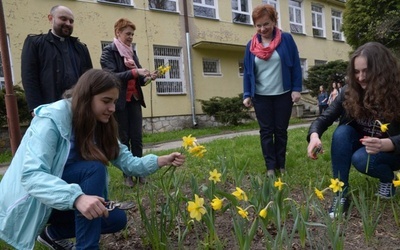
column 384, row 128
column 193, row 147
column 161, row 70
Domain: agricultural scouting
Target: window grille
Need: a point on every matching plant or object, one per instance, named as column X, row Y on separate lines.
column 205, row 8
column 167, row 5
column 172, row 81
column 295, row 16
column 241, row 11
column 211, row 67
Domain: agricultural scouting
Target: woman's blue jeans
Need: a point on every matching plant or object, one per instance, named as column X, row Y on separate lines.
column 347, row 150
column 91, row 177
column 273, row 115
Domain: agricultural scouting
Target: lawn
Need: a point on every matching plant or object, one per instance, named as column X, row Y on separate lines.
column 295, row 218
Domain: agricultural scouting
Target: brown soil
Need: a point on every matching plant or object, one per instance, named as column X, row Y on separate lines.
column 386, row 235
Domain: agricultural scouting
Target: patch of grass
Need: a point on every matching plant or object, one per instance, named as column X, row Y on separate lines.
column 245, row 151
column 154, row 138
column 242, row 151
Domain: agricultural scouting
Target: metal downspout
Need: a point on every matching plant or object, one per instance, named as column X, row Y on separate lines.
column 189, row 59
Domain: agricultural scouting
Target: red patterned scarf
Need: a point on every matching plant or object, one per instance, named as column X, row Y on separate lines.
column 258, row 49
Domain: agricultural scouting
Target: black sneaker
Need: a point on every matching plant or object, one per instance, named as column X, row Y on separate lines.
column 386, row 190
column 46, row 240
column 339, row 205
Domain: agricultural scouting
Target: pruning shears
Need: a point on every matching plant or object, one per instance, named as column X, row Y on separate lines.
column 125, row 205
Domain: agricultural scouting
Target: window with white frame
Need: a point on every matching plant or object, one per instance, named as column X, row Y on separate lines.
column 318, row 21
column 337, row 25
column 319, row 62
column 271, row 2
column 105, row 43
column 172, row 82
column 125, row 2
column 296, row 17
column 303, row 65
column 274, row 3
column 205, row 8
column 167, row 5
column 2, row 81
column 241, row 67
column 241, row 11
column 211, row 67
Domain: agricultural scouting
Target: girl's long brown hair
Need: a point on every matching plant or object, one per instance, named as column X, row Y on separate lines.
column 94, row 140
column 380, row 99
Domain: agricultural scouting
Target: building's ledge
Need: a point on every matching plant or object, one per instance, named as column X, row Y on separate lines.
column 219, row 46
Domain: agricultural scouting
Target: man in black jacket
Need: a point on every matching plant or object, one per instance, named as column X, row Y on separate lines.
column 52, row 63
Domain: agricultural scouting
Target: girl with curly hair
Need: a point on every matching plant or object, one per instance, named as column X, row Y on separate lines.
column 368, row 133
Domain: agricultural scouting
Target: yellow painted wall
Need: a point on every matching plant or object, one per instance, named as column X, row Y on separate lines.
column 94, row 23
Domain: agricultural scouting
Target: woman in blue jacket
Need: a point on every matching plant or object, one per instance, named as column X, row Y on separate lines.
column 58, row 174
column 272, row 81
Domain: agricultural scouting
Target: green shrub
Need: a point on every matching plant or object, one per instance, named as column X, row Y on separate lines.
column 23, row 112
column 226, row 110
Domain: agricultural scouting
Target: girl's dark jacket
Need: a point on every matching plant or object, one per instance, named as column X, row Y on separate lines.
column 112, row 61
column 336, row 110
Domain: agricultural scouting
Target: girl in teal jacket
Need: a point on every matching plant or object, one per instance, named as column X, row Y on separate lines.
column 58, row 174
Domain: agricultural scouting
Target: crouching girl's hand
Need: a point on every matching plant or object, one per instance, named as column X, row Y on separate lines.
column 176, row 159
column 91, row 206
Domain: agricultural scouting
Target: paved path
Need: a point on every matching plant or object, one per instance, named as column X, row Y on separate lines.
column 178, row 144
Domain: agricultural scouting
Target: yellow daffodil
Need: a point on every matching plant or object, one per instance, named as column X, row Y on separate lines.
column 162, row 69
column 240, row 194
column 197, row 151
column 188, row 141
column 279, row 184
column 336, row 185
column 196, row 208
column 384, row 127
column 216, row 203
column 242, row 212
column 215, row 176
column 319, row 194
column 396, row 183
column 263, row 213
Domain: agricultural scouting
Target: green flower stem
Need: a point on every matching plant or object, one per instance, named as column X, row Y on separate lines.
column 372, row 135
column 148, row 82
